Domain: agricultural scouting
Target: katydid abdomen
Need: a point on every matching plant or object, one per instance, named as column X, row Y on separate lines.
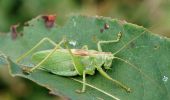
column 61, row 63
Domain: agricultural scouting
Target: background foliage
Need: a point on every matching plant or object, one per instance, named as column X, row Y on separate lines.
column 152, row 14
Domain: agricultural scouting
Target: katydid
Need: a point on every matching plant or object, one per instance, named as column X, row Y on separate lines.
column 73, row 62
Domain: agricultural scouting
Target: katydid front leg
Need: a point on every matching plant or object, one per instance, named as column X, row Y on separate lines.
column 119, row 35
column 36, row 46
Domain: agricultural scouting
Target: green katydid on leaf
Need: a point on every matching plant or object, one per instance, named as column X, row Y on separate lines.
column 134, row 59
column 73, row 62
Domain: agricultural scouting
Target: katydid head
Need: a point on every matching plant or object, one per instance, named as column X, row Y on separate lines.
column 104, row 58
column 108, row 61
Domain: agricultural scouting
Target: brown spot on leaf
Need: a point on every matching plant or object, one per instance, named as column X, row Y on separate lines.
column 101, row 30
column 106, row 26
column 49, row 20
column 14, row 32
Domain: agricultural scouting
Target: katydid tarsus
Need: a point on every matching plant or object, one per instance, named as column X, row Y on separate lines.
column 72, row 62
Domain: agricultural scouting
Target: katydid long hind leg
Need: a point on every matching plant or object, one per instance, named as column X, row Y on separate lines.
column 113, row 80
column 36, row 46
column 106, row 42
column 56, row 47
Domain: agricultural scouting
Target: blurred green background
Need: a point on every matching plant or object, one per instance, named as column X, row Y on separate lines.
column 152, row 14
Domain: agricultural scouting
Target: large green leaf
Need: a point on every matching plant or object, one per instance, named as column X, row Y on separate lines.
column 148, row 54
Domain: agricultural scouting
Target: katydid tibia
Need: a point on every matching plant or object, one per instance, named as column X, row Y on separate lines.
column 72, row 62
